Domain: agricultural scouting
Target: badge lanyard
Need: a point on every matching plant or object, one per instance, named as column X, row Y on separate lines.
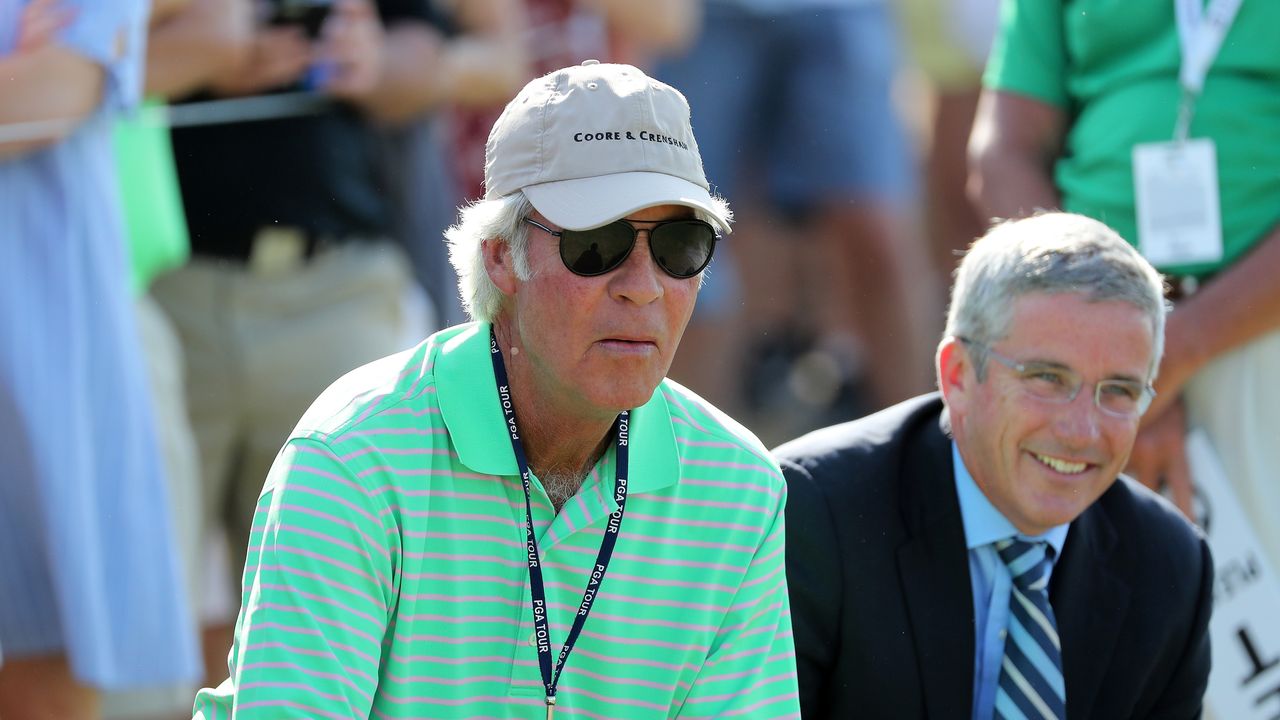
column 1175, row 182
column 1200, row 34
column 537, row 590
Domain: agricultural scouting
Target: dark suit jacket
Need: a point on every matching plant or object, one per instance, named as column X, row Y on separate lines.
column 881, row 600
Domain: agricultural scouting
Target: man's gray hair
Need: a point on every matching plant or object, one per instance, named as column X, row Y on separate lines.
column 1049, row 253
column 502, row 219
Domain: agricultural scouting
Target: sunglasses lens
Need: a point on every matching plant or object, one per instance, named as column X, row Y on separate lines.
column 598, row 250
column 683, row 248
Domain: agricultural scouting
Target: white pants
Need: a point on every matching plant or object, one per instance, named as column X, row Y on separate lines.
column 1236, row 399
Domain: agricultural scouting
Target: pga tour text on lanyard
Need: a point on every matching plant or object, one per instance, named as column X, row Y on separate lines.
column 537, row 590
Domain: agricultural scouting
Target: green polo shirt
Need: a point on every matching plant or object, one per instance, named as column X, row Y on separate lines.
column 387, row 574
column 1113, row 68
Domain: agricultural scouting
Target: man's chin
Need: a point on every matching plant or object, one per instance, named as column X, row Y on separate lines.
column 626, row 397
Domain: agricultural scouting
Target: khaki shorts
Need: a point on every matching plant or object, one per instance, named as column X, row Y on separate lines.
column 261, row 345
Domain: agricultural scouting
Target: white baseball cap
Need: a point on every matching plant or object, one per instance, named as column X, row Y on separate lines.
column 595, row 142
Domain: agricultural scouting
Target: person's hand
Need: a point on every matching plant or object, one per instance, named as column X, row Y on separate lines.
column 278, row 56
column 350, row 51
column 40, row 22
column 1159, row 458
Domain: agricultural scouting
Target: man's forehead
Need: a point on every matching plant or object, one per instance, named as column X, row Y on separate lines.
column 1109, row 338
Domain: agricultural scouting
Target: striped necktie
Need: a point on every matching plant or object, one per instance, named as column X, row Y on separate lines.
column 1031, row 684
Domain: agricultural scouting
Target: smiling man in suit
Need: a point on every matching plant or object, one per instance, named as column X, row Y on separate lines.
column 975, row 552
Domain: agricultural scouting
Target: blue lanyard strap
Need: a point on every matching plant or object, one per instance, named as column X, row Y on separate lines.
column 538, row 591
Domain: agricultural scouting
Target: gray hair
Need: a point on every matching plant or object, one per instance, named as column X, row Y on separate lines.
column 502, row 219
column 1051, row 252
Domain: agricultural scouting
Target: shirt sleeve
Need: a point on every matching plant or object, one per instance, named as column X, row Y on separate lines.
column 111, row 33
column 319, row 585
column 750, row 671
column 1029, row 56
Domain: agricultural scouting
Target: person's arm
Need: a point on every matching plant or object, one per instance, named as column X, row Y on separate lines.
column 660, row 26
column 1015, row 141
column 1021, row 120
column 44, row 83
column 1236, row 307
column 319, row 589
column 195, row 43
column 39, row 24
column 53, row 86
column 277, row 56
column 162, row 10
column 408, row 68
column 750, row 670
column 488, row 62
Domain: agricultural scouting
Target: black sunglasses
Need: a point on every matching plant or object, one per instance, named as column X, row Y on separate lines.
column 682, row 248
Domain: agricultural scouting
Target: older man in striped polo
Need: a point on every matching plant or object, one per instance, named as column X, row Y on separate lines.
column 521, row 517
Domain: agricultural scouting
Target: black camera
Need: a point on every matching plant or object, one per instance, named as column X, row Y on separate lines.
column 308, row 14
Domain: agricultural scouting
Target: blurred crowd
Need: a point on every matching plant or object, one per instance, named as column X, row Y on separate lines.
column 211, row 209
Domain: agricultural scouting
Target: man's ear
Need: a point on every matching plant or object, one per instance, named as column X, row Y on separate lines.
column 953, row 364
column 500, row 265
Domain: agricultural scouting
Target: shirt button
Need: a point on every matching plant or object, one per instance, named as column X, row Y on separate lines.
column 1004, row 634
column 533, row 638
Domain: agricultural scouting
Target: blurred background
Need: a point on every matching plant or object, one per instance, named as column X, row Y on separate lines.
column 211, row 209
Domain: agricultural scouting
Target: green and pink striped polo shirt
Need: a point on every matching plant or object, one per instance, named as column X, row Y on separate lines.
column 387, row 573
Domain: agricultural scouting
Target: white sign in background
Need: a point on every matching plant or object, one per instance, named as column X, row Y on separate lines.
column 1245, row 628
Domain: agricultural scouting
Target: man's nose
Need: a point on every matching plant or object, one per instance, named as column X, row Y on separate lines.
column 637, row 278
column 1079, row 421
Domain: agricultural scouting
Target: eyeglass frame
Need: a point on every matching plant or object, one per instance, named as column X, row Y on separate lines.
column 559, row 234
column 1145, row 397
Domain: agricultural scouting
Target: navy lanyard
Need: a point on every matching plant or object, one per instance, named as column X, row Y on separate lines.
column 538, row 591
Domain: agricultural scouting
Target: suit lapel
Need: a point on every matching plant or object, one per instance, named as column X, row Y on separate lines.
column 1090, row 601
column 934, row 569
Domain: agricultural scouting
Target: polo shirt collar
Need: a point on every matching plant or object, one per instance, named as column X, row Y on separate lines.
column 468, row 395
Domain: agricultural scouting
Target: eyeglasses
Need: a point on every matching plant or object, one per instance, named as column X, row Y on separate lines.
column 682, row 248
column 1056, row 384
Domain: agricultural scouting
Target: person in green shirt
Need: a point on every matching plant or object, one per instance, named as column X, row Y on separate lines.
column 1072, row 88
column 521, row 517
